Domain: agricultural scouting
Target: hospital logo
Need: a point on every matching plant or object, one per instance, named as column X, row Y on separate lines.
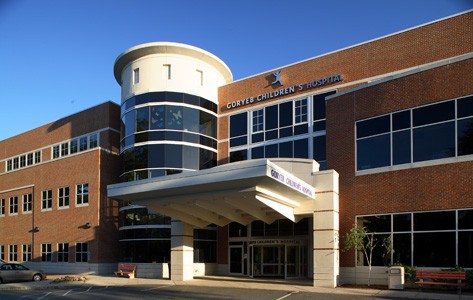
column 277, row 79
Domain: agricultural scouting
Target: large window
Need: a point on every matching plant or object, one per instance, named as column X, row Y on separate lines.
column 27, row 203
column 82, row 252
column 62, row 252
column 46, row 252
column 63, row 197
column 281, row 130
column 424, row 239
column 14, row 205
column 47, row 200
column 26, row 253
column 426, row 133
column 13, row 252
column 2, row 207
column 82, row 194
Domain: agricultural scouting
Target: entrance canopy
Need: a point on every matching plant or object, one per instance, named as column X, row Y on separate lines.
column 250, row 190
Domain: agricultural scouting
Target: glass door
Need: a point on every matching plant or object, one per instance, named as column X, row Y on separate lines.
column 236, row 260
column 292, row 265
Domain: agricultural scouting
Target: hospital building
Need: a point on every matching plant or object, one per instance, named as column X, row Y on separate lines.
column 196, row 173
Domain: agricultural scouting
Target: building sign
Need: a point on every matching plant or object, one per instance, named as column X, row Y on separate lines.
column 292, row 182
column 285, row 91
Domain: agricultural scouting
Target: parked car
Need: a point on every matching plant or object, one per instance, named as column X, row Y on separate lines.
column 2, row 261
column 11, row 272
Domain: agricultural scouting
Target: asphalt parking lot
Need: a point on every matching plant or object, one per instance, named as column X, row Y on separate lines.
column 110, row 287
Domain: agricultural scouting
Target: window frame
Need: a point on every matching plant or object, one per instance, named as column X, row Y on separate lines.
column 47, row 200
column 27, row 202
column 81, row 253
column 46, row 252
column 26, row 254
column 82, row 195
column 13, row 207
column 62, row 199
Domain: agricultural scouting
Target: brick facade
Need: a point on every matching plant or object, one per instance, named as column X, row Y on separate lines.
column 97, row 167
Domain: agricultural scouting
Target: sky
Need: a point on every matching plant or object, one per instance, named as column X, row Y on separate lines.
column 57, row 56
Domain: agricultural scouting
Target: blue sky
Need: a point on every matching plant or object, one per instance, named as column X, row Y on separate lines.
column 57, row 56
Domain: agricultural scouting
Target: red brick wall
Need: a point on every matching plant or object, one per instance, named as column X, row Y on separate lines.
column 422, row 45
column 445, row 186
column 96, row 167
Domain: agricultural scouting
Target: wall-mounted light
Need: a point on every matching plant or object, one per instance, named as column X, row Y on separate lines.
column 87, row 225
column 36, row 229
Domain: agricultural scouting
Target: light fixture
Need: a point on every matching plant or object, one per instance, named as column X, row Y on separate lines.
column 87, row 225
column 36, row 229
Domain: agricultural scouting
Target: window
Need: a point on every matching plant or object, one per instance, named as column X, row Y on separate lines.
column 167, row 72
column 29, row 160
column 47, row 200
column 81, row 252
column 37, row 157
column 26, row 252
column 200, row 76
column 136, row 75
column 46, row 252
column 2, row 252
column 93, row 141
column 15, row 163
column 238, row 129
column 9, row 165
column 258, row 119
column 419, row 134
column 62, row 252
column 74, row 146
column 22, row 161
column 65, row 149
column 300, row 108
column 27, row 203
column 83, row 143
column 13, row 252
column 56, row 151
column 63, row 197
column 14, row 205
column 425, row 239
column 82, row 194
column 2, row 207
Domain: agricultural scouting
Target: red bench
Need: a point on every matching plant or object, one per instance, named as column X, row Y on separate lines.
column 445, row 278
column 126, row 271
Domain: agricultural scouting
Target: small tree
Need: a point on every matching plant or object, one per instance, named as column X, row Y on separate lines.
column 360, row 239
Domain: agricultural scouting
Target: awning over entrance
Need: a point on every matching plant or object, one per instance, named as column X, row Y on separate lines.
column 264, row 190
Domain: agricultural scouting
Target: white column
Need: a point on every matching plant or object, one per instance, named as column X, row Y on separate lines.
column 182, row 251
column 326, row 229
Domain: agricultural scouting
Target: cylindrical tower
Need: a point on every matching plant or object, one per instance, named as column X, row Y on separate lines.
column 169, row 125
column 168, row 108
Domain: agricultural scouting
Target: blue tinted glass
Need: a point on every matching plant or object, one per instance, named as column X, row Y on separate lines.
column 259, row 137
column 157, row 117
column 301, row 148
column 174, row 117
column 129, row 123
column 465, row 136
column 173, row 156
column 402, row 120
column 373, row 152
column 238, row 141
column 257, row 152
column 271, row 135
column 434, row 113
column 174, row 97
column 156, row 156
column 465, row 107
column 238, row 125
column 319, row 105
column 285, row 114
column 319, row 148
column 238, row 155
column 271, row 151
column 373, row 126
column 401, row 147
column 319, row 125
column 285, row 132
column 141, row 157
column 285, row 149
column 301, row 129
column 271, row 113
column 142, row 119
column 190, row 157
column 434, row 142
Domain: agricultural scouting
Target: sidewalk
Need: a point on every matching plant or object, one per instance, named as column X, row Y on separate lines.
column 232, row 282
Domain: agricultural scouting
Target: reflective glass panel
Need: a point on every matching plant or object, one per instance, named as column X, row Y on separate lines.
column 434, row 142
column 434, row 113
column 465, row 136
column 373, row 152
column 373, row 126
column 401, row 147
column 238, row 125
column 465, row 107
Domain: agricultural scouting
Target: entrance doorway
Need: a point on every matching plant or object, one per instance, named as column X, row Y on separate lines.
column 286, row 261
column 236, row 260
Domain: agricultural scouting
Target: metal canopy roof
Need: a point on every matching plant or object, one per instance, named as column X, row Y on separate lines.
column 240, row 192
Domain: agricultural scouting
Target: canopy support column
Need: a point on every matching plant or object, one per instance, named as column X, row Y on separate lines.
column 182, row 251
